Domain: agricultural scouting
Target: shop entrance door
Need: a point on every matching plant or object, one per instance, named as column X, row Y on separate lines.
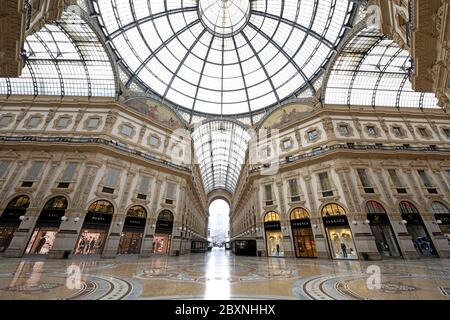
column 161, row 243
column 384, row 235
column 305, row 246
column 420, row 237
column 6, row 235
column 130, row 242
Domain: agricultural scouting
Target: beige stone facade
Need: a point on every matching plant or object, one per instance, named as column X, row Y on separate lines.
column 19, row 19
column 93, row 140
column 423, row 28
column 374, row 141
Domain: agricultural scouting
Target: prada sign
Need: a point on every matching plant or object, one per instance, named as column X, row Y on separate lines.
column 272, row 225
column 51, row 216
column 98, row 218
column 135, row 222
column 164, row 226
column 300, row 223
column 335, row 221
column 12, row 214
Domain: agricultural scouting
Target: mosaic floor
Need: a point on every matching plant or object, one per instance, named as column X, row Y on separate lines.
column 221, row 275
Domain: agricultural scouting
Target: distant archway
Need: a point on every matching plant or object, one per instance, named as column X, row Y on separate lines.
column 219, row 222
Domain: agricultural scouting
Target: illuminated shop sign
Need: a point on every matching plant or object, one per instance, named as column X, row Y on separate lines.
column 335, row 221
column 51, row 215
column 272, row 225
column 164, row 226
column 301, row 223
column 135, row 222
column 12, row 214
column 98, row 218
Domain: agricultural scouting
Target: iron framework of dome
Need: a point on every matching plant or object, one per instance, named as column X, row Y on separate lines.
column 220, row 148
column 225, row 57
column 64, row 58
column 372, row 70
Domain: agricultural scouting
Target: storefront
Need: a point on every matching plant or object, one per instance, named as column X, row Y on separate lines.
column 416, row 229
column 274, row 236
column 339, row 234
column 382, row 230
column 10, row 219
column 95, row 228
column 47, row 226
column 245, row 247
column 302, row 235
column 442, row 216
column 199, row 246
column 133, row 231
column 163, row 232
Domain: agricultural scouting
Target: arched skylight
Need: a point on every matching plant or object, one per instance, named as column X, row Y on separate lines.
column 220, row 147
column 224, row 56
column 64, row 59
column 372, row 70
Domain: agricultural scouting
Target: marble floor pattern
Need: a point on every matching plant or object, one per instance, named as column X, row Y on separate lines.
column 221, row 275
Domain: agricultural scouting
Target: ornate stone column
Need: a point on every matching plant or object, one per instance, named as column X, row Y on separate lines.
column 147, row 242
column 117, row 223
column 67, row 235
column 316, row 222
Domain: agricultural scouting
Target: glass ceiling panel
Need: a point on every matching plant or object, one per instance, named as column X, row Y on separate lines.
column 64, row 59
column 220, row 147
column 224, row 56
column 372, row 70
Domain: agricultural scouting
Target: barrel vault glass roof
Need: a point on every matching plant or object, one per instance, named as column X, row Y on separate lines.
column 224, row 57
column 220, row 148
column 373, row 70
column 63, row 59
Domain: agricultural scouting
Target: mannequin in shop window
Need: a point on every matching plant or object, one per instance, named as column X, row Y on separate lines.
column 41, row 243
column 344, row 250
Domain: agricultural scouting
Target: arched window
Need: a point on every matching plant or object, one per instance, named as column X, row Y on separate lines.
column 407, row 207
column 59, row 203
column 373, row 207
column 439, row 208
column 165, row 215
column 271, row 216
column 102, row 206
column 137, row 212
column 299, row 213
column 20, row 202
column 332, row 209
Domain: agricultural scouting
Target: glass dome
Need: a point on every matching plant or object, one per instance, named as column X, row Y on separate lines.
column 224, row 57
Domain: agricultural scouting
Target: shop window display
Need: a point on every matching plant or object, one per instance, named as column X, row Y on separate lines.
column 6, row 235
column 95, row 228
column 163, row 232
column 161, row 244
column 442, row 215
column 41, row 241
column 91, row 241
column 303, row 236
column 133, row 231
column 416, row 229
column 339, row 234
column 47, row 226
column 274, row 236
column 341, row 243
column 382, row 230
column 9, row 220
